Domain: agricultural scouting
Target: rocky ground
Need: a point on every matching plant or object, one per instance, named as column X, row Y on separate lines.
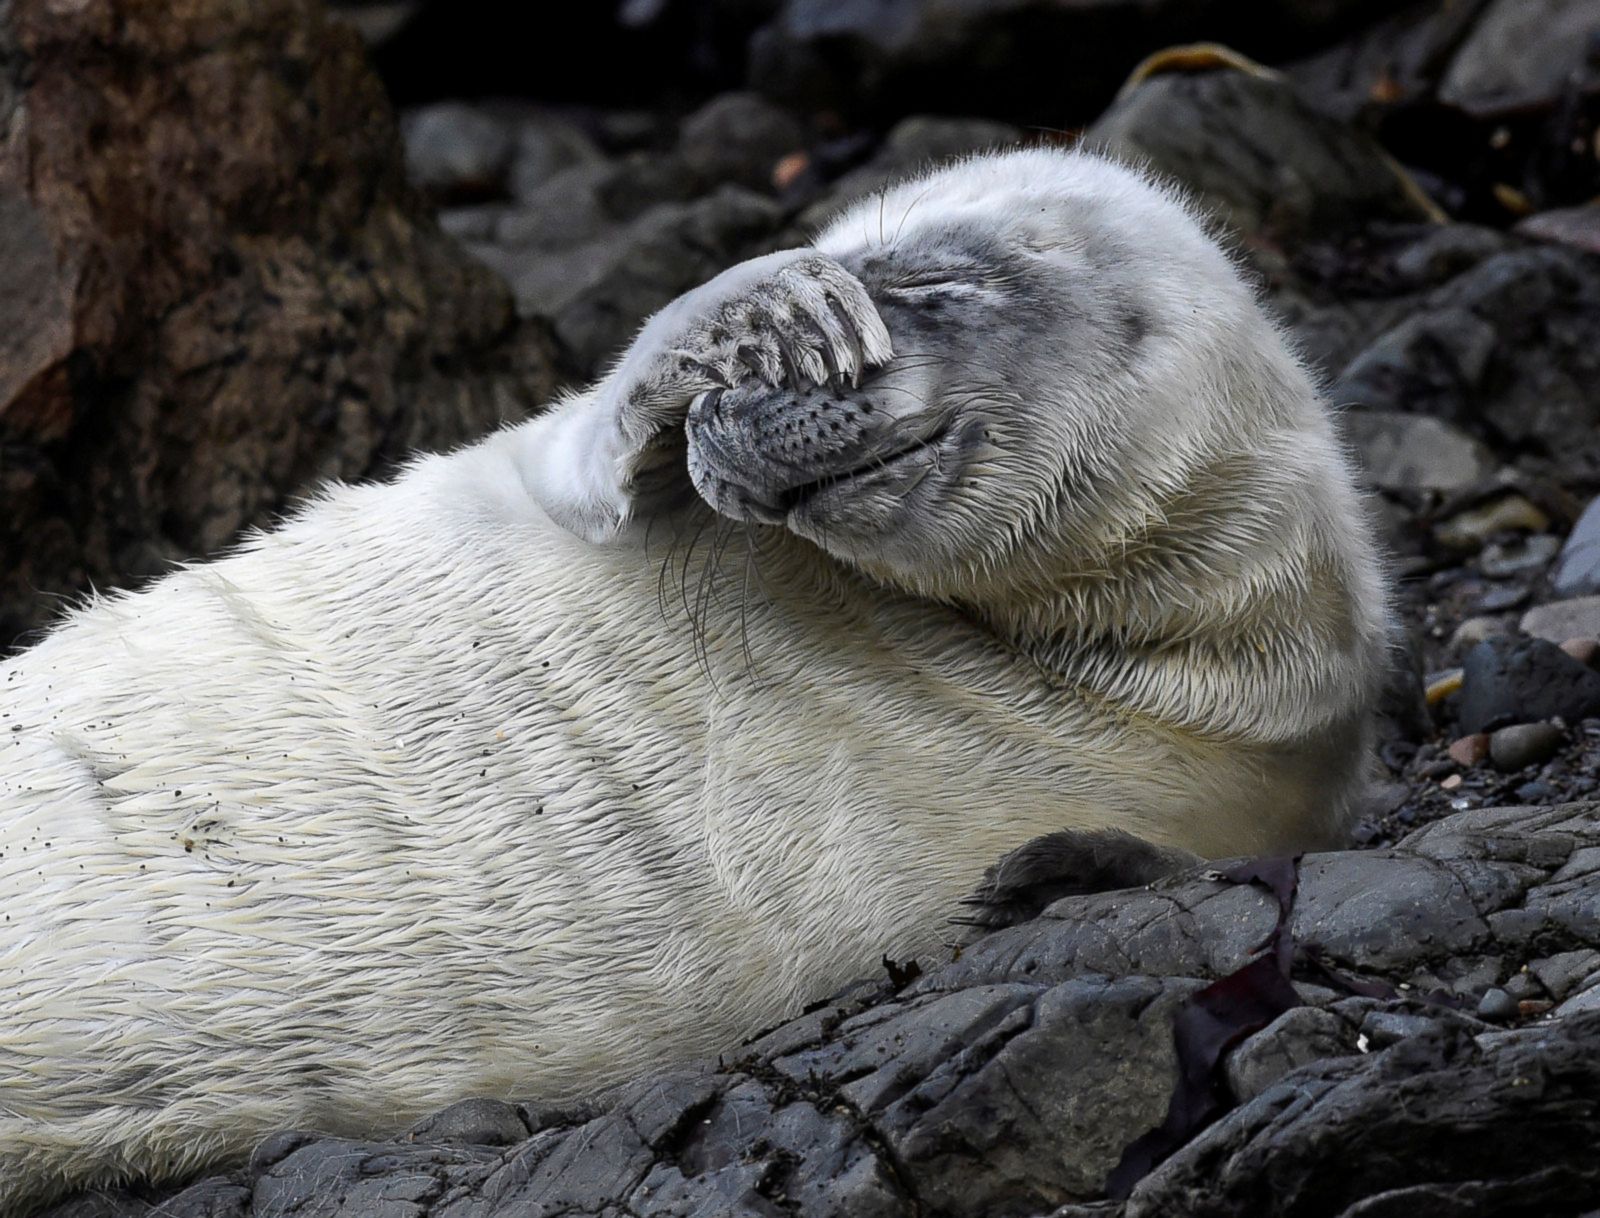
column 1403, row 1027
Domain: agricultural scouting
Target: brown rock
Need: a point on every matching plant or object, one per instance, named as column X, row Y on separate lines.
column 216, row 287
column 1470, row 750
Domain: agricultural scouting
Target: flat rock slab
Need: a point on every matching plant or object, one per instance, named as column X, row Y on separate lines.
column 1009, row 1081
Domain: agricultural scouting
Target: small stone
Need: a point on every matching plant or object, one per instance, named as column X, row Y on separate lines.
column 1582, row 650
column 1503, row 597
column 1497, row 1006
column 476, row 1122
column 1524, row 680
column 1536, row 792
column 1470, row 750
column 1442, row 685
column 543, row 147
column 1524, row 744
column 1451, row 783
column 1518, row 556
column 1523, row 984
column 1531, row 1008
column 1476, row 629
column 1562, row 620
column 1414, row 452
column 1577, row 571
column 789, row 170
column 1470, row 529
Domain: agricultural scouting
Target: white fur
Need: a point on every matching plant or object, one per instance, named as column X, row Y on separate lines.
column 421, row 796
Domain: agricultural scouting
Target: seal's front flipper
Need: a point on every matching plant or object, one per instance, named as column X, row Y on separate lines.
column 1069, row 863
column 614, row 454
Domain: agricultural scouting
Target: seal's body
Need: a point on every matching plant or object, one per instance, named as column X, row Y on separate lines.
column 489, row 780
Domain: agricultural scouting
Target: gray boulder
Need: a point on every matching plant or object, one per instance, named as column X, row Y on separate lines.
column 1256, row 152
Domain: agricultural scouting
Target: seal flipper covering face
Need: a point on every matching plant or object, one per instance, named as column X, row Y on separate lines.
column 1016, row 517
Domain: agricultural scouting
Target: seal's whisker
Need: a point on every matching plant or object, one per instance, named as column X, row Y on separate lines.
column 906, row 215
column 744, row 601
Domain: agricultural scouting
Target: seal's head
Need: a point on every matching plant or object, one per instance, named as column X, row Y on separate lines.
column 1068, row 343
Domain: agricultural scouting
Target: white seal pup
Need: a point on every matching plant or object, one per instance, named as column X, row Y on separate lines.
column 431, row 792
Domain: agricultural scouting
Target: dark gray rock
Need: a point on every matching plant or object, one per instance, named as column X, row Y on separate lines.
column 1520, row 680
column 1527, row 554
column 478, row 1122
column 1523, row 53
column 1296, row 1038
column 1477, row 329
column 1578, row 227
column 1389, row 64
column 1440, row 1124
column 1577, row 571
column 739, row 138
column 1496, row 1005
column 595, row 280
column 912, row 144
column 1256, row 153
column 1524, row 744
column 1415, row 452
column 542, row 146
column 376, row 21
column 1565, row 972
column 1430, row 362
column 455, row 151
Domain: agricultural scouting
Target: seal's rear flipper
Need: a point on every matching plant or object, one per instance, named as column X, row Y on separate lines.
column 1068, row 863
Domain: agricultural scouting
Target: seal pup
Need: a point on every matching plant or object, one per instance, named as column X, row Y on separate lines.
column 430, row 792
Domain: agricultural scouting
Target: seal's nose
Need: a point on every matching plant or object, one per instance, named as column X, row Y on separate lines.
column 754, row 446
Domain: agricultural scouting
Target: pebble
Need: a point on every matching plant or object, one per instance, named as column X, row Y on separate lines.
column 1524, row 680
column 1470, row 750
column 1518, row 556
column 1536, row 792
column 1559, row 621
column 1506, row 596
column 1577, row 571
column 1442, row 685
column 1471, row 528
column 1496, row 1006
column 1523, row 745
column 1476, row 629
column 1451, row 783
